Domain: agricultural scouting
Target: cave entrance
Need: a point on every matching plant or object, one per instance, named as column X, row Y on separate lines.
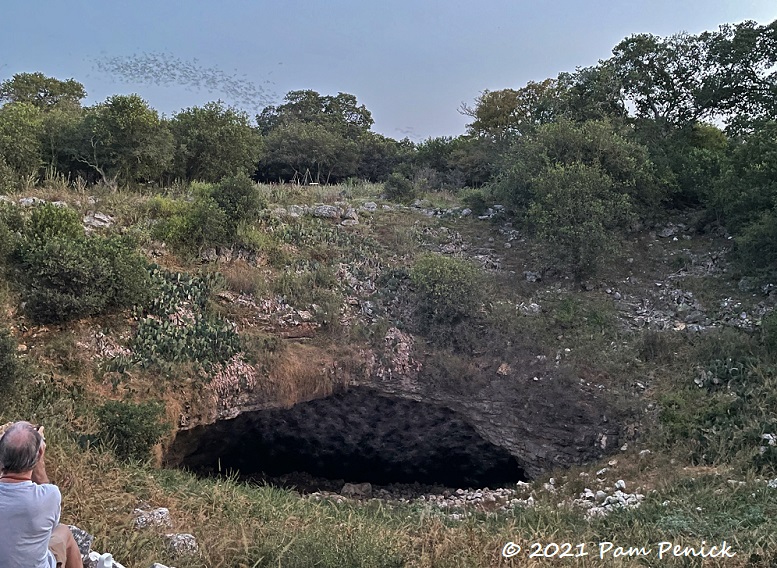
column 355, row 436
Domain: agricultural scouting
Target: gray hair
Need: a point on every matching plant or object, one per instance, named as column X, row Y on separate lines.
column 19, row 448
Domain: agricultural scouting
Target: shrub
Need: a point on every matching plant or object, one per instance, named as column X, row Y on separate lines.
column 577, row 210
column 48, row 221
column 8, row 178
column 448, row 289
column 131, row 429
column 65, row 278
column 398, row 188
column 239, row 199
column 756, row 246
column 475, row 199
column 196, row 225
column 10, row 223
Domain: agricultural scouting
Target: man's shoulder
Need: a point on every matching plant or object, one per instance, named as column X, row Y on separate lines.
column 49, row 491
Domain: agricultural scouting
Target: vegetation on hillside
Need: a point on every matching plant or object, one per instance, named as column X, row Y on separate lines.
column 218, row 272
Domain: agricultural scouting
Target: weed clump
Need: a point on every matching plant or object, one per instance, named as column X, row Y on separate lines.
column 448, row 290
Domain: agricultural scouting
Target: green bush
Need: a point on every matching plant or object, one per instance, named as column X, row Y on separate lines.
column 448, row 289
column 48, row 221
column 475, row 199
column 10, row 224
column 195, row 225
column 400, row 189
column 756, row 245
column 577, row 210
column 64, row 278
column 131, row 429
column 8, row 178
column 239, row 199
column 213, row 218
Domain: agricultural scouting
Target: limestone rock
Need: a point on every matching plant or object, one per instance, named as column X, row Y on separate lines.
column 369, row 206
column 349, row 222
column 159, row 517
column 98, row 220
column 327, row 211
column 30, row 201
column 296, row 211
column 357, row 490
column 350, row 213
column 182, row 544
column 83, row 539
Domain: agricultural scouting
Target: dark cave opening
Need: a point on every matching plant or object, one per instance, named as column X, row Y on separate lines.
column 356, row 436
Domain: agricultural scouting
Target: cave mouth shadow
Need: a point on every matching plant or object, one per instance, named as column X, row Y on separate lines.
column 355, row 436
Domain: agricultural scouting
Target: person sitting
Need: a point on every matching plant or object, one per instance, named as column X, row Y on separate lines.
column 30, row 533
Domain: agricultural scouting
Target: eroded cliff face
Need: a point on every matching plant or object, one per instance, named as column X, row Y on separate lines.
column 379, row 418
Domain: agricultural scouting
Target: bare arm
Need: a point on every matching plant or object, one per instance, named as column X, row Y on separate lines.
column 39, row 471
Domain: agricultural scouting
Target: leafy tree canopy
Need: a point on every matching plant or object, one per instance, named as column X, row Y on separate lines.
column 214, row 141
column 41, row 91
column 341, row 113
column 124, row 139
column 727, row 75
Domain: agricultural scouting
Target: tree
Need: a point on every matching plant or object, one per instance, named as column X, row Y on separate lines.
column 509, row 112
column 591, row 93
column 41, row 91
column 745, row 56
column 379, row 156
column 597, row 144
column 577, row 209
column 214, row 141
column 123, row 139
column 20, row 134
column 728, row 75
column 665, row 78
column 308, row 151
column 341, row 113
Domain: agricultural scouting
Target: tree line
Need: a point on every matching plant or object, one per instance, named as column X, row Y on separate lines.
column 684, row 122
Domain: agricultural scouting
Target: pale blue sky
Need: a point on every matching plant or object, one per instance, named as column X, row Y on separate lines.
column 412, row 62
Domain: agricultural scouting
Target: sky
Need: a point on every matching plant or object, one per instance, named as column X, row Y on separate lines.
column 412, row 63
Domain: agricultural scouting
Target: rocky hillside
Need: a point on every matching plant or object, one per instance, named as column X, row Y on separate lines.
column 358, row 351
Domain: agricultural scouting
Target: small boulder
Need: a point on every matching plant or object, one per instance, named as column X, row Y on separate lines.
column 296, row 211
column 159, row 517
column 182, row 544
column 83, row 539
column 357, row 490
column 30, row 201
column 350, row 213
column 98, row 220
column 327, row 211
